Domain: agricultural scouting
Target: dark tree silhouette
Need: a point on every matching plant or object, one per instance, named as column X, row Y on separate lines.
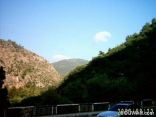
column 4, row 102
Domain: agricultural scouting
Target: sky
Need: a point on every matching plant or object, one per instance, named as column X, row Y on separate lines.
column 63, row 29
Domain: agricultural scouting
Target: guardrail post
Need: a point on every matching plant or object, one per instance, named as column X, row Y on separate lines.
column 109, row 106
column 51, row 110
column 92, row 107
column 79, row 108
column 56, row 109
column 34, row 111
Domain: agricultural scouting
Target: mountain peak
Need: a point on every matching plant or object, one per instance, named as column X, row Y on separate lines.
column 66, row 65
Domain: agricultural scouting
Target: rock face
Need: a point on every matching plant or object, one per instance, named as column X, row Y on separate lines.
column 24, row 67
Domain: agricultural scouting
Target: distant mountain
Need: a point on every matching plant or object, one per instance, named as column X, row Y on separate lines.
column 66, row 65
column 25, row 68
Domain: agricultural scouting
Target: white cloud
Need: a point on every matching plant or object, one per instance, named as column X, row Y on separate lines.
column 102, row 36
column 59, row 57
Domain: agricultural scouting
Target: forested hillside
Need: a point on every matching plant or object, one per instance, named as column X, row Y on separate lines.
column 124, row 72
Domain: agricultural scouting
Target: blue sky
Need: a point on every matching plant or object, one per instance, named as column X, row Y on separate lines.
column 58, row 29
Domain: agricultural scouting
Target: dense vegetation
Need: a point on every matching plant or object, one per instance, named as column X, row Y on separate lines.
column 124, row 72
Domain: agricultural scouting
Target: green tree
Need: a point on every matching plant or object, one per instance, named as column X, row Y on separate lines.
column 101, row 53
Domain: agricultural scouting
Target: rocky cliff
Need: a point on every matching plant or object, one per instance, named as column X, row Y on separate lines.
column 24, row 67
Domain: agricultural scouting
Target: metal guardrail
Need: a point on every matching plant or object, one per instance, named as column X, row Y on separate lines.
column 69, row 108
column 20, row 111
column 60, row 109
